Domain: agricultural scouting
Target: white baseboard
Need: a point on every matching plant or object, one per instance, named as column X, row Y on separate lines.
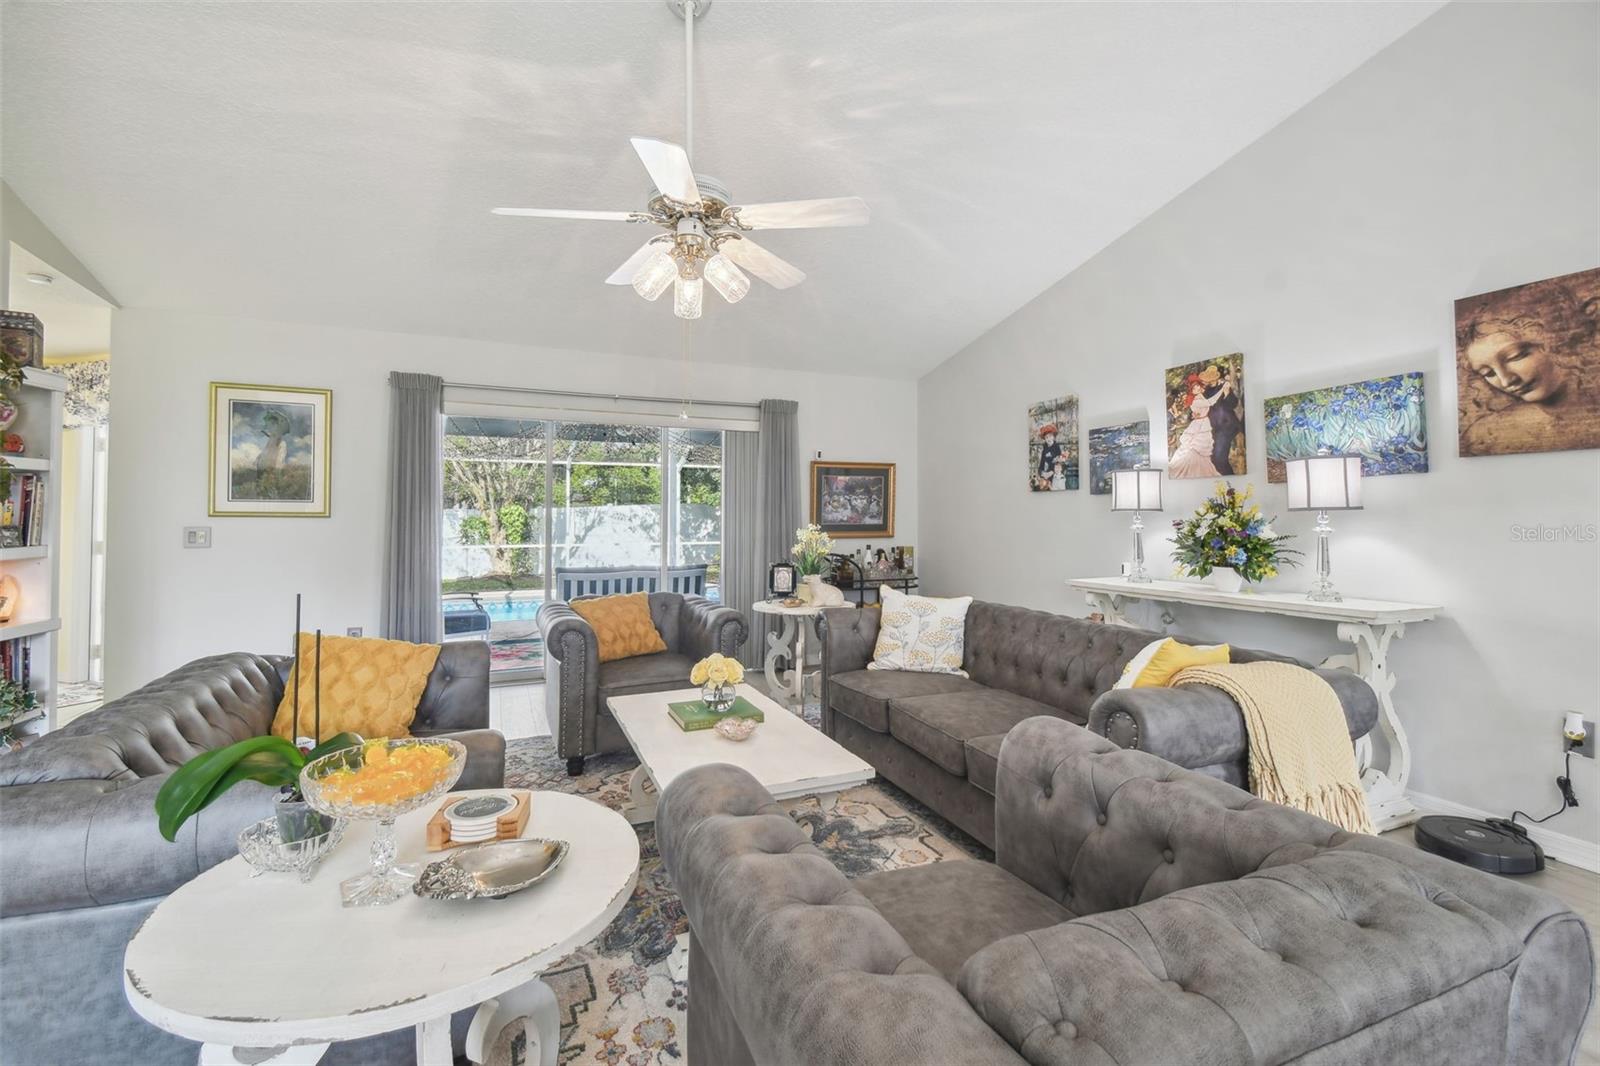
column 1584, row 854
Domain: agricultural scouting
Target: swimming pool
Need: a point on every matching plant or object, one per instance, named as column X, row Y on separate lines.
column 499, row 607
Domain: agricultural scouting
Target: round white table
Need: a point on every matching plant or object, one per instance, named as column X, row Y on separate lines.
column 788, row 644
column 268, row 970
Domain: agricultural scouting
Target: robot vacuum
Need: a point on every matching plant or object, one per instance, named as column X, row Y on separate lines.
column 1491, row 844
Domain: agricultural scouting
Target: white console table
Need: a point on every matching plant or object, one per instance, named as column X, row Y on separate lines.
column 1369, row 625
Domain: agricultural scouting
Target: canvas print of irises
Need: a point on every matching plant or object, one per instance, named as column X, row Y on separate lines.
column 1381, row 420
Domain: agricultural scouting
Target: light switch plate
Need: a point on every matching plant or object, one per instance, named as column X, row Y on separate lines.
column 197, row 536
column 353, row 631
column 1586, row 749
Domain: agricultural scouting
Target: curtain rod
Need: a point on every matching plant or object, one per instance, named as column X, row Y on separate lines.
column 613, row 396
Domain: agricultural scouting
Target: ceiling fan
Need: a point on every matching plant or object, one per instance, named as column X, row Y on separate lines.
column 704, row 234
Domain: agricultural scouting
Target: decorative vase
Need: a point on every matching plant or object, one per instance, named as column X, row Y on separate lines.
column 1225, row 579
column 718, row 697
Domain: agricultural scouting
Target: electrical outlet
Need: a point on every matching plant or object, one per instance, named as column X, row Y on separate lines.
column 1586, row 748
column 353, row 631
column 197, row 536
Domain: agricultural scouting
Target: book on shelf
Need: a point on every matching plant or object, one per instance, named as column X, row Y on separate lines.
column 22, row 512
column 16, row 661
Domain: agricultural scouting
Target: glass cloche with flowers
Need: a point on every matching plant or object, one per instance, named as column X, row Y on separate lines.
column 716, row 675
column 1229, row 542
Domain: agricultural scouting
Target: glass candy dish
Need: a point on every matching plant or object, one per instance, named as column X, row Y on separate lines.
column 378, row 782
column 263, row 847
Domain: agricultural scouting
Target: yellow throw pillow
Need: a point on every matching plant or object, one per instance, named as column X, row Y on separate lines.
column 1156, row 664
column 622, row 625
column 369, row 686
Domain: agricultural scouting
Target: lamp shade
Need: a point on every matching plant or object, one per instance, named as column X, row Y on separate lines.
column 1324, row 483
column 1136, row 490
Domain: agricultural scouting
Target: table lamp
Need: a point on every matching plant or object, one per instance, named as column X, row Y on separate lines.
column 1138, row 489
column 1324, row 482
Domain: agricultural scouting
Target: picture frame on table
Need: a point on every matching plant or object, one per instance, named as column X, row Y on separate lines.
column 270, row 451
column 853, row 499
column 781, row 580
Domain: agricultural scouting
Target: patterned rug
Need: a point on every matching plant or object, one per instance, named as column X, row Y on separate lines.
column 621, row 1004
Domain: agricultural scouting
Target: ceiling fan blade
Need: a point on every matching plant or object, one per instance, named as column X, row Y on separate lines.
column 762, row 263
column 806, row 214
column 669, row 168
column 623, row 275
column 555, row 212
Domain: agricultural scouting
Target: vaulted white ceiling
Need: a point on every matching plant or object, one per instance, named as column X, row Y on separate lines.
column 335, row 162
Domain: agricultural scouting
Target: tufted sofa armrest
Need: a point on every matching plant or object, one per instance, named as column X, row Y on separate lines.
column 705, row 627
column 571, row 678
column 808, row 967
column 849, row 635
column 1197, row 725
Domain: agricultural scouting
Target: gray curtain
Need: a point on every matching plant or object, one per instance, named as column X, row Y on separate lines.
column 744, row 569
column 416, row 509
column 778, row 508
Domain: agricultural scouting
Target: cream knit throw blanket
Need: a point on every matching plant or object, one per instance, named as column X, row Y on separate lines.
column 1300, row 752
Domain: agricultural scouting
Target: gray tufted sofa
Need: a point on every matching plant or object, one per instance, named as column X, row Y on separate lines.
column 1136, row 913
column 577, row 684
column 82, row 863
column 938, row 736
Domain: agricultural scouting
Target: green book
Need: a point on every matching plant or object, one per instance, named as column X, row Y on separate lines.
column 694, row 714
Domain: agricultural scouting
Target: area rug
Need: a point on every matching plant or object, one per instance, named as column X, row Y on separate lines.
column 621, row 1004
column 518, row 654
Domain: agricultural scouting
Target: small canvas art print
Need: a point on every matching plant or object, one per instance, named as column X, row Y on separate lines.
column 1053, row 445
column 1205, row 418
column 1382, row 420
column 1528, row 367
column 269, row 450
column 1116, row 448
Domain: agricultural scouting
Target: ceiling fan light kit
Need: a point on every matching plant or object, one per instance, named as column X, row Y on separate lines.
column 704, row 238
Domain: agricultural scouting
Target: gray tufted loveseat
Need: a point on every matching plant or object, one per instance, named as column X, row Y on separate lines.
column 1136, row 913
column 82, row 863
column 577, row 684
column 938, row 736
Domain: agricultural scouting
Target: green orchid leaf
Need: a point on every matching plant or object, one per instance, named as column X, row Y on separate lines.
column 337, row 742
column 193, row 785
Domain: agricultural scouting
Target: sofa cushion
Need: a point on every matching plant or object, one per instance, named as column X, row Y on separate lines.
column 623, row 626
column 983, row 760
column 948, row 911
column 939, row 727
column 864, row 695
column 645, row 673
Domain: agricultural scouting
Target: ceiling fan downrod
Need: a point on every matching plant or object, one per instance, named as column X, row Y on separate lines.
column 688, row 11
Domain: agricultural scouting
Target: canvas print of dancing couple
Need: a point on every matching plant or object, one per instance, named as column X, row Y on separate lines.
column 1205, row 418
column 1381, row 420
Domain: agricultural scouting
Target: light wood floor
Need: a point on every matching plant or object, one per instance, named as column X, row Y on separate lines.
column 518, row 711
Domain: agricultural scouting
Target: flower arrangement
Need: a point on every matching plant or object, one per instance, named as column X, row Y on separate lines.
column 1229, row 531
column 810, row 551
column 716, row 675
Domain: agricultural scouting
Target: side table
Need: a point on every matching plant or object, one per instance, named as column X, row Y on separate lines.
column 266, row 970
column 788, row 644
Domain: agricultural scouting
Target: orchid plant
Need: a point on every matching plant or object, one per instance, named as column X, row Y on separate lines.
column 811, row 549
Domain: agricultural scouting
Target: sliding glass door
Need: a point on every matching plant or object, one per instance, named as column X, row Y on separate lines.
column 536, row 509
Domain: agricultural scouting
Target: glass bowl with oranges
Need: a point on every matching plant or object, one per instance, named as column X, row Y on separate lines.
column 378, row 781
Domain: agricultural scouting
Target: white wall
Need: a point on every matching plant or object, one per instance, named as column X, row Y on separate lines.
column 1462, row 159
column 167, row 604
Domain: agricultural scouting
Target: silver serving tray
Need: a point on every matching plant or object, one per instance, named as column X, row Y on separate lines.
column 492, row 870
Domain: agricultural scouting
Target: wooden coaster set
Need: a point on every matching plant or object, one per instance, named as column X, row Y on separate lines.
column 508, row 826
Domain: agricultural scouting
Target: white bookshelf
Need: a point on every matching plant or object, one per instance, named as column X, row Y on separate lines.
column 37, row 568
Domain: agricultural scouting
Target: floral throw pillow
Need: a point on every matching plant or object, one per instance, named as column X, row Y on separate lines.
column 921, row 634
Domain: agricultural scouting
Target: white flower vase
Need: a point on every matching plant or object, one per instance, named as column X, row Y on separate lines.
column 808, row 587
column 1225, row 579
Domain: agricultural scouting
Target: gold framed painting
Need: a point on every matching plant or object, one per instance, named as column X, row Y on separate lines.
column 270, row 450
column 853, row 499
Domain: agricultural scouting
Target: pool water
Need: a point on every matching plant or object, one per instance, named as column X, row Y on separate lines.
column 499, row 609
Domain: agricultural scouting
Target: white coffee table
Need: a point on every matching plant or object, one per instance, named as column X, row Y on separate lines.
column 268, row 970
column 788, row 643
column 786, row 755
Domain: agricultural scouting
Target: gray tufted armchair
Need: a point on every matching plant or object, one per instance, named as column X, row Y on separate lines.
column 82, row 863
column 577, row 684
column 1136, row 913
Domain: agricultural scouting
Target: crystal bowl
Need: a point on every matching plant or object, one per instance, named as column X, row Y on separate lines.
column 736, row 728
column 263, row 847
column 319, row 780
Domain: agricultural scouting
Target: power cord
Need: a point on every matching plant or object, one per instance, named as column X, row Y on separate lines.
column 1568, row 797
